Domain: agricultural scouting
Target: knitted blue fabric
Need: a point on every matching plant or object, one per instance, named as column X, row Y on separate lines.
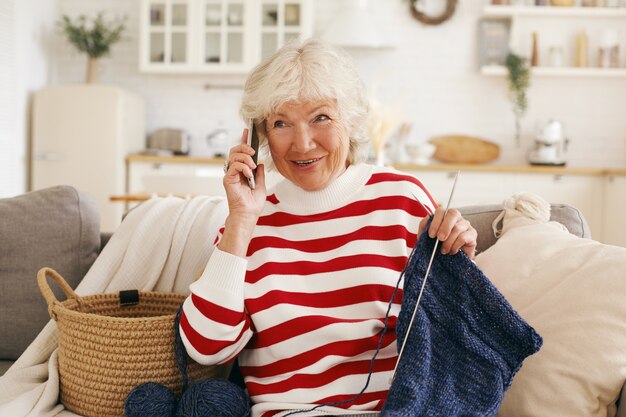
column 466, row 343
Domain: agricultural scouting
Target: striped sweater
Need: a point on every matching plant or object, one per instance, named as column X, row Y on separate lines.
column 305, row 310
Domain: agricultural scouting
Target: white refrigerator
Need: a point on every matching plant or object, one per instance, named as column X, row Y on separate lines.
column 81, row 136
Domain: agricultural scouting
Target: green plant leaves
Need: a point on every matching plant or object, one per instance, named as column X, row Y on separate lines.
column 94, row 36
column 519, row 81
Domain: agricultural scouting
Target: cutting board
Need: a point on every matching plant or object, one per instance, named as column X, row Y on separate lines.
column 462, row 149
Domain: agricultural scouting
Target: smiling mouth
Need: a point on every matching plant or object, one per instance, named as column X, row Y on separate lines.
column 306, row 163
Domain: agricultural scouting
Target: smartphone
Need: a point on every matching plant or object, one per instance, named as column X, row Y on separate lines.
column 253, row 140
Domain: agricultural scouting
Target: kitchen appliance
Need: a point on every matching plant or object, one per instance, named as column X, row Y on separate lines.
column 175, row 140
column 81, row 136
column 550, row 145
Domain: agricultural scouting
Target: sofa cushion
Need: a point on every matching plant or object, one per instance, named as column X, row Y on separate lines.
column 571, row 290
column 57, row 227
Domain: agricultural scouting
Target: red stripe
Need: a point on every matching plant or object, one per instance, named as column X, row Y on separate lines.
column 358, row 208
column 219, row 235
column 328, row 299
column 218, row 313
column 396, row 177
column 302, row 325
column 204, row 345
column 377, row 233
column 346, row 348
column 271, row 413
column 272, row 199
column 394, row 263
column 319, row 379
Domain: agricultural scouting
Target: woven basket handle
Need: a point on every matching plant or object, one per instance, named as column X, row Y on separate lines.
column 47, row 293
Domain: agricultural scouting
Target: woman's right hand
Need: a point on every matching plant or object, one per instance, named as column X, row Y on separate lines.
column 244, row 204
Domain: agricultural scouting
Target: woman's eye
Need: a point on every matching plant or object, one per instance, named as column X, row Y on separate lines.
column 279, row 123
column 322, row 118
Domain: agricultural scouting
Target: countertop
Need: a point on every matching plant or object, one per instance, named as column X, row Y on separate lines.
column 492, row 167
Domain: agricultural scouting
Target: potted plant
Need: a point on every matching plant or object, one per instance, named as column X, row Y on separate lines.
column 519, row 81
column 92, row 36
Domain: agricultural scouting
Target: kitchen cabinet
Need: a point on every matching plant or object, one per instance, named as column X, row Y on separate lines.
column 584, row 192
column 178, row 175
column 472, row 187
column 166, row 36
column 217, row 36
column 614, row 207
column 174, row 175
column 557, row 29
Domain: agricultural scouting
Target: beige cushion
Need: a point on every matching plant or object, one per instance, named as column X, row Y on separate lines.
column 57, row 227
column 572, row 291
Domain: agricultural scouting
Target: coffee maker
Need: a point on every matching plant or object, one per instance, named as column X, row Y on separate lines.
column 550, row 145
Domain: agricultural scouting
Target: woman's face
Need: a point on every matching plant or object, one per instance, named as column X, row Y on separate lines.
column 309, row 143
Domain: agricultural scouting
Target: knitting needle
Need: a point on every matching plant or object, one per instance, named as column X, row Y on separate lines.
column 419, row 297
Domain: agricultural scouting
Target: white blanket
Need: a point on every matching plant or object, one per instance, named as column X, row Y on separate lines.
column 161, row 246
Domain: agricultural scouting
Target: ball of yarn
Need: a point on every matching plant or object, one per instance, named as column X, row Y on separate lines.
column 530, row 205
column 150, row 399
column 215, row 398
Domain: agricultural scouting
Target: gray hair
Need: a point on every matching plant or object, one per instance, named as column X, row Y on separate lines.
column 309, row 71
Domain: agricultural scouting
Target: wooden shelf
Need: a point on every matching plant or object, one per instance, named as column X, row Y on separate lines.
column 498, row 70
column 554, row 11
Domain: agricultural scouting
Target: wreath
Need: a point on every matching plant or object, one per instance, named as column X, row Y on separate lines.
column 433, row 20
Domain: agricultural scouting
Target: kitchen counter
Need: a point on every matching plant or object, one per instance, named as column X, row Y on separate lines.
column 600, row 193
column 495, row 168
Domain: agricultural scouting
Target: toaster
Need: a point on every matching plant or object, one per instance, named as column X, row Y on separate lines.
column 175, row 140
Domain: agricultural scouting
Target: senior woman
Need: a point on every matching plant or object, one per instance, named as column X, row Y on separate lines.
column 299, row 282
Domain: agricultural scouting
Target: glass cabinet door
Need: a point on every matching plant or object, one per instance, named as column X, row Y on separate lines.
column 218, row 36
column 223, row 32
column 168, row 32
column 281, row 21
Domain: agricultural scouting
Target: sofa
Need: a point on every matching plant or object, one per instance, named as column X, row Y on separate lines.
column 59, row 227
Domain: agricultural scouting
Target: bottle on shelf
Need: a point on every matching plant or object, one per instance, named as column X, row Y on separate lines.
column 608, row 56
column 534, row 57
column 556, row 56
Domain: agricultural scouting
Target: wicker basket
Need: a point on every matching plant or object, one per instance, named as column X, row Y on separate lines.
column 106, row 349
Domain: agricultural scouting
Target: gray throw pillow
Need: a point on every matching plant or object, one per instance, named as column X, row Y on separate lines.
column 58, row 227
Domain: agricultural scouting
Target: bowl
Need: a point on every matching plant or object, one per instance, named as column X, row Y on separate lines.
column 420, row 153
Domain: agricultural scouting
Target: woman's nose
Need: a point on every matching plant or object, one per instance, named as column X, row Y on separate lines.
column 303, row 140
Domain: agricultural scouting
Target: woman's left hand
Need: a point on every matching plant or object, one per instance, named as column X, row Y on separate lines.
column 454, row 232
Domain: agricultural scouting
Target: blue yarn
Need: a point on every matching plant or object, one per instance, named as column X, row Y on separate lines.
column 211, row 397
column 215, row 398
column 181, row 353
column 150, row 399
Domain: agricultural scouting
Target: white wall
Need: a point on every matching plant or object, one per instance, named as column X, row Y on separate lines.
column 11, row 178
column 25, row 38
column 431, row 78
